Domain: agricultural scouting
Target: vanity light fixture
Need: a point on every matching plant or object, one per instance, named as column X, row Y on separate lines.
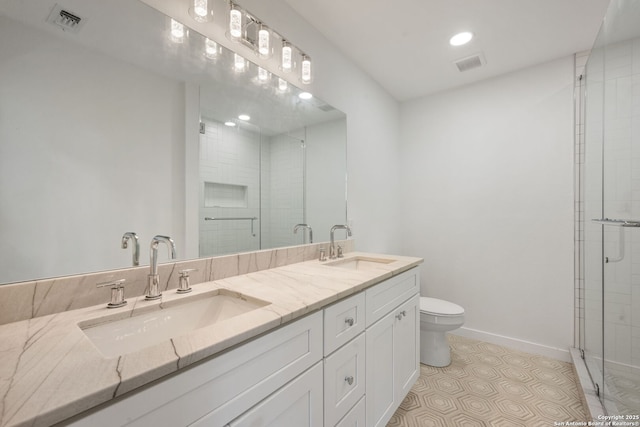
column 264, row 42
column 282, row 85
column 210, row 48
column 244, row 117
column 177, row 31
column 305, row 95
column 230, row 123
column 200, row 10
column 287, row 57
column 235, row 22
column 239, row 63
column 263, row 75
column 461, row 38
column 305, row 73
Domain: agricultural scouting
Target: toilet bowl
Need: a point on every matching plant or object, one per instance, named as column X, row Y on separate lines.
column 437, row 317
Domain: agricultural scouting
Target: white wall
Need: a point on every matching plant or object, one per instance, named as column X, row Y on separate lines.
column 326, row 191
column 487, row 200
column 60, row 142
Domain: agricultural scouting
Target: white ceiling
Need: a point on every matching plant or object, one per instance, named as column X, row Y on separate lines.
column 403, row 44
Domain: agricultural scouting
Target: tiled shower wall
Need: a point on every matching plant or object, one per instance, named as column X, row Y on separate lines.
column 229, row 156
column 272, row 170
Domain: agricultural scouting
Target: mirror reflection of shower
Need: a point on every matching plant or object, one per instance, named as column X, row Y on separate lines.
column 252, row 187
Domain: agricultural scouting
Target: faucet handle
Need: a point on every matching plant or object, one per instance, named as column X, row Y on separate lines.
column 340, row 255
column 183, row 283
column 323, row 254
column 117, row 292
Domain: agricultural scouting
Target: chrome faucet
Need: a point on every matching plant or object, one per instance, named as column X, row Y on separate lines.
column 295, row 230
column 135, row 250
column 332, row 246
column 154, row 278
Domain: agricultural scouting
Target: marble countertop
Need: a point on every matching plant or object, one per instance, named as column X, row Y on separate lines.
column 51, row 371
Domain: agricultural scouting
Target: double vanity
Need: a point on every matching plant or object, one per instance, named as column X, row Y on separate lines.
column 332, row 343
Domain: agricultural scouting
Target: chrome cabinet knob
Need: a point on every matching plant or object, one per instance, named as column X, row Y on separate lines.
column 349, row 379
column 349, row 321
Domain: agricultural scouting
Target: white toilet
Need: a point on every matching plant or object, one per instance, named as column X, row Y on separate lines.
column 437, row 317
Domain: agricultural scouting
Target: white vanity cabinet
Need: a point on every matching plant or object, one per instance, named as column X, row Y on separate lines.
column 348, row 365
column 392, row 345
column 219, row 390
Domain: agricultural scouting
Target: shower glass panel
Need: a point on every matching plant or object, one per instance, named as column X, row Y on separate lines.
column 592, row 117
column 611, row 335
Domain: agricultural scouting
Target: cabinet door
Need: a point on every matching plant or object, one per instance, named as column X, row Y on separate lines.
column 355, row 417
column 298, row 404
column 380, row 372
column 407, row 346
column 344, row 380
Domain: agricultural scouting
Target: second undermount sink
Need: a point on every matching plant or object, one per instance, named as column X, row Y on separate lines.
column 360, row 263
column 115, row 336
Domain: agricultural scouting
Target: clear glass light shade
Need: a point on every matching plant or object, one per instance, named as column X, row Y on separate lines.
column 200, row 10
column 239, row 63
column 235, row 23
column 263, row 75
column 282, row 85
column 177, row 31
column 264, row 41
column 210, row 48
column 305, row 73
column 287, row 58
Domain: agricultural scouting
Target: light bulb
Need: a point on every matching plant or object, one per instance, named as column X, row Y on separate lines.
column 282, row 85
column 238, row 62
column 263, row 42
column 210, row 48
column 235, row 23
column 461, row 38
column 177, row 31
column 305, row 95
column 244, row 117
column 201, row 10
column 263, row 75
column 229, row 123
column 305, row 74
column 287, row 58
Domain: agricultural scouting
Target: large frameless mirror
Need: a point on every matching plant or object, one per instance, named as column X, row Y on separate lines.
column 116, row 125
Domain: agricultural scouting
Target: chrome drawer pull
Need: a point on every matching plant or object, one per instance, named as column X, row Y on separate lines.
column 349, row 379
column 349, row 321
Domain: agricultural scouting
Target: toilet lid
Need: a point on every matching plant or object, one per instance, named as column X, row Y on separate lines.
column 439, row 307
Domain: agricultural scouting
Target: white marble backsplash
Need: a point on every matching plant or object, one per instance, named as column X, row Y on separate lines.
column 26, row 300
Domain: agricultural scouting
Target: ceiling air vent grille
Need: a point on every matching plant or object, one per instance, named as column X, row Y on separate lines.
column 470, row 62
column 64, row 19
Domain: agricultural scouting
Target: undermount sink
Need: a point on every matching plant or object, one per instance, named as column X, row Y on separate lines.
column 360, row 263
column 115, row 336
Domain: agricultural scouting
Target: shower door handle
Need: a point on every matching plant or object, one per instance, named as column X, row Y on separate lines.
column 617, row 222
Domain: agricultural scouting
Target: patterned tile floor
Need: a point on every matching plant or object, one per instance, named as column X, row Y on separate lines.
column 491, row 386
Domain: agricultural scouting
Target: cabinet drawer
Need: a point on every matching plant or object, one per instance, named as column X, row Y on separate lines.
column 344, row 380
column 385, row 296
column 355, row 417
column 342, row 322
column 221, row 388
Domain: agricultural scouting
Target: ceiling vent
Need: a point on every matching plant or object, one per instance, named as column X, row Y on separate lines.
column 470, row 62
column 68, row 21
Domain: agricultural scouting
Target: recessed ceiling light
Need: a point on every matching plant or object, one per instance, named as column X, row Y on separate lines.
column 461, row 38
column 244, row 117
column 305, row 95
column 229, row 123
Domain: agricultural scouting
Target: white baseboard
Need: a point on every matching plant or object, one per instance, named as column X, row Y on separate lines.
column 516, row 344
